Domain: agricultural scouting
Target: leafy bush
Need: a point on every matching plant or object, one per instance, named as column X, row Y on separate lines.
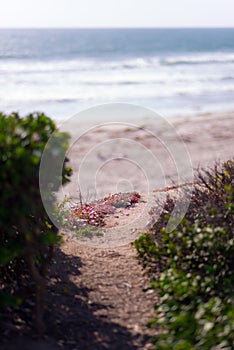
column 187, row 318
column 196, row 264
column 27, row 235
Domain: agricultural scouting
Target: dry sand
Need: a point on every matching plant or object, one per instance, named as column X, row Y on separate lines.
column 143, row 156
column 147, row 156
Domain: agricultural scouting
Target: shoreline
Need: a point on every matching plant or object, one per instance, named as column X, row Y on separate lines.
column 173, row 119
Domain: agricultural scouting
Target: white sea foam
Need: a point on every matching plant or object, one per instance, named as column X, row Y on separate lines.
column 73, row 65
column 152, row 81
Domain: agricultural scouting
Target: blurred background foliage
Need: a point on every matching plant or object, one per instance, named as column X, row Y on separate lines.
column 27, row 234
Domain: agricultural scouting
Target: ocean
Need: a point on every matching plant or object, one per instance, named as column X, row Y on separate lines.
column 64, row 71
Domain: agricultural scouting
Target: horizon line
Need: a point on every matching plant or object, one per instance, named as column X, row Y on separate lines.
column 122, row 27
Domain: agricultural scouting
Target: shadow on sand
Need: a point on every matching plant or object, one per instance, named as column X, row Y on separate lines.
column 70, row 318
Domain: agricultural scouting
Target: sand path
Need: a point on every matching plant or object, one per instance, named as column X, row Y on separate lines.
column 100, row 293
column 105, row 301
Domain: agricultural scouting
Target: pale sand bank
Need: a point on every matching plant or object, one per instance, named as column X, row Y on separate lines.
column 150, row 155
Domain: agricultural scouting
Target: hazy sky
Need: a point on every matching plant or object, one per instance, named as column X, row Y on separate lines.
column 117, row 13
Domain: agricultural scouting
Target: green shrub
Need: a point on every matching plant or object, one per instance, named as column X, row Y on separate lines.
column 195, row 261
column 203, row 251
column 27, row 235
column 186, row 320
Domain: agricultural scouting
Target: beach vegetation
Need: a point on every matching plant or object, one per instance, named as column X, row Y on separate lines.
column 192, row 266
column 27, row 234
column 80, row 215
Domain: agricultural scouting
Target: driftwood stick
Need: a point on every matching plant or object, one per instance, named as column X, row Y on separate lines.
column 174, row 187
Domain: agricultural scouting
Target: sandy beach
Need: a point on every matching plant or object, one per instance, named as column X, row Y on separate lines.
column 147, row 155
